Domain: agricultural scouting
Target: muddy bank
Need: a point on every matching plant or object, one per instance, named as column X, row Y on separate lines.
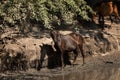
column 96, row 68
column 104, row 64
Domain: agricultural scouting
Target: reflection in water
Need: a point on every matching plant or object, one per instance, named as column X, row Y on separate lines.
column 104, row 73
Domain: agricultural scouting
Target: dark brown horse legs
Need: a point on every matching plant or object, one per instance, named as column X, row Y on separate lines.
column 81, row 49
column 75, row 56
column 111, row 21
column 101, row 21
column 62, row 60
column 68, row 43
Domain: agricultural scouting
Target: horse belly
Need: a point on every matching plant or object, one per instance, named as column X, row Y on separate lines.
column 106, row 10
column 70, row 47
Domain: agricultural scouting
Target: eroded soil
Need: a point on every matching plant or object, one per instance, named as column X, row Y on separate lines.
column 105, row 66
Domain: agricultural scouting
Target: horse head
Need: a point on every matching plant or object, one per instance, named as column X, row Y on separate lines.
column 55, row 35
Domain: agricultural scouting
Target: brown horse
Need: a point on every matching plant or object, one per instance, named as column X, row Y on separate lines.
column 106, row 8
column 53, row 57
column 67, row 43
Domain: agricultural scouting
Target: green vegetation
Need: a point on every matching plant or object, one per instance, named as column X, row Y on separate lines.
column 45, row 12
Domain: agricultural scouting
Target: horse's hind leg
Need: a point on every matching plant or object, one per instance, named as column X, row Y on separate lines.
column 101, row 22
column 82, row 53
column 75, row 55
column 111, row 21
column 39, row 66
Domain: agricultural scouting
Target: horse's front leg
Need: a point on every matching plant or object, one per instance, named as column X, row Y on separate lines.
column 40, row 62
column 101, row 21
column 62, row 60
column 111, row 21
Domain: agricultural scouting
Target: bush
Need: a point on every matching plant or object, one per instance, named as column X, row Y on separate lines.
column 22, row 12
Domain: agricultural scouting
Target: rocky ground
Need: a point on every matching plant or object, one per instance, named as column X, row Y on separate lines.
column 103, row 64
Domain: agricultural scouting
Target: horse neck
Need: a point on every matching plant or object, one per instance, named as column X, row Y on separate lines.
column 58, row 38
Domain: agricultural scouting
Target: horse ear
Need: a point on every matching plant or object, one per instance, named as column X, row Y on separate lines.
column 51, row 32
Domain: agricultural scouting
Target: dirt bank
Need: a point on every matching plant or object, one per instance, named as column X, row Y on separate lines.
column 96, row 68
column 103, row 64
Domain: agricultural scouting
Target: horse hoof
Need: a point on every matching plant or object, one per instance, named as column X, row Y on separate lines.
column 73, row 65
column 83, row 64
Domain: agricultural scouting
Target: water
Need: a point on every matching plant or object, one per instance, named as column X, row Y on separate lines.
column 101, row 68
column 104, row 72
column 109, row 72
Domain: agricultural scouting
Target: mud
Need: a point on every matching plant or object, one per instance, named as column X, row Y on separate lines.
column 104, row 64
column 96, row 68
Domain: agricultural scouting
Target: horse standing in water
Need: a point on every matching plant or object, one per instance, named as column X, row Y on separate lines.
column 67, row 43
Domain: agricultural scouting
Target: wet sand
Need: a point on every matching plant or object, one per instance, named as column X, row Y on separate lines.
column 96, row 68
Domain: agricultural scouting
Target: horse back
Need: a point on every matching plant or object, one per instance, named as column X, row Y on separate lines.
column 105, row 9
column 77, row 38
